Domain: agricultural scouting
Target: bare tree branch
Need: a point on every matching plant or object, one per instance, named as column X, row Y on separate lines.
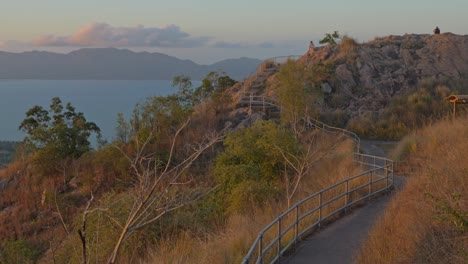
column 153, row 197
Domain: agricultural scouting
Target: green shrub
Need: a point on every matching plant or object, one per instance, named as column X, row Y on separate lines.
column 19, row 251
column 249, row 194
column 252, row 159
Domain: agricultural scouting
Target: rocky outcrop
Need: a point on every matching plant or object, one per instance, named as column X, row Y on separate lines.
column 362, row 79
column 368, row 75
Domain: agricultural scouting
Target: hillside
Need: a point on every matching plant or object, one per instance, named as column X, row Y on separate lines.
column 427, row 222
column 112, row 64
column 368, row 75
column 196, row 175
column 380, row 89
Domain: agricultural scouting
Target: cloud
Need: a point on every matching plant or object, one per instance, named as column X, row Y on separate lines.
column 230, row 45
column 266, row 45
column 103, row 34
column 14, row 46
column 242, row 45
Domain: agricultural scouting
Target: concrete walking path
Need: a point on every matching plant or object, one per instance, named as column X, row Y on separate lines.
column 340, row 241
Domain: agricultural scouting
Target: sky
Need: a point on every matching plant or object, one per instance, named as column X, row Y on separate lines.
column 208, row 31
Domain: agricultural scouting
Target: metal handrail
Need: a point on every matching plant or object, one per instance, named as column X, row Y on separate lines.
column 321, row 207
column 379, row 169
column 269, row 101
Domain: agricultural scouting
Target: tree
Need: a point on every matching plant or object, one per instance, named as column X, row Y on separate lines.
column 155, row 191
column 154, row 144
column 301, row 161
column 186, row 93
column 252, row 164
column 211, row 88
column 330, row 39
column 57, row 135
column 213, row 85
column 122, row 129
column 297, row 94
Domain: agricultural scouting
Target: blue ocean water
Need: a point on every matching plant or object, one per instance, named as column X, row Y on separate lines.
column 100, row 101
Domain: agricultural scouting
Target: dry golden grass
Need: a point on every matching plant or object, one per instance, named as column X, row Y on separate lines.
column 347, row 48
column 427, row 222
column 230, row 243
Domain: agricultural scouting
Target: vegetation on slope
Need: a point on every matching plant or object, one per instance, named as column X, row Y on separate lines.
column 410, row 111
column 63, row 202
column 123, row 199
column 249, row 205
column 59, row 186
column 427, row 222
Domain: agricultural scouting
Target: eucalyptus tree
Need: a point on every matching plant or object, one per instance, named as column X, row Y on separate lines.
column 57, row 135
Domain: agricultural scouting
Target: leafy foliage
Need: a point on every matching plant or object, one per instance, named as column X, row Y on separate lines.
column 160, row 113
column 213, row 86
column 252, row 158
column 298, row 91
column 57, row 134
column 330, row 39
column 18, row 251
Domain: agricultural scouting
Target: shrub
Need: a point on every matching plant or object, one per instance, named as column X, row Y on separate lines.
column 252, row 155
column 249, row 194
column 406, row 113
column 19, row 251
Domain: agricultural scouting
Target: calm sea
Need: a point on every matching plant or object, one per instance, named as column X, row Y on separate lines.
column 100, row 101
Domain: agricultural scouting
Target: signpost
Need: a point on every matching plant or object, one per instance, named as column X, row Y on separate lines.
column 457, row 99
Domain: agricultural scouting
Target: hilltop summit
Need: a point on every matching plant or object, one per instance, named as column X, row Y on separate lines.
column 369, row 74
column 363, row 78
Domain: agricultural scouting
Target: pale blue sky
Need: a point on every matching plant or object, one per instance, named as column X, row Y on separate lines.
column 210, row 30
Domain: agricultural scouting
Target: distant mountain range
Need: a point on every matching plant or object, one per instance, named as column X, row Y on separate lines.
column 113, row 64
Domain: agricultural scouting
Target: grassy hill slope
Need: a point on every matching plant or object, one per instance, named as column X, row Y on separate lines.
column 427, row 221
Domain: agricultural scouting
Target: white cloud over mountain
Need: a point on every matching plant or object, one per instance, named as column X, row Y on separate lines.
column 169, row 39
column 103, row 34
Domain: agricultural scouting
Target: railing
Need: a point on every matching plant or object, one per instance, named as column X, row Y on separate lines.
column 262, row 101
column 267, row 102
column 310, row 213
column 336, row 130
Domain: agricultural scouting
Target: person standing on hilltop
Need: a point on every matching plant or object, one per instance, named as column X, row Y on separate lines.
column 311, row 46
column 437, row 31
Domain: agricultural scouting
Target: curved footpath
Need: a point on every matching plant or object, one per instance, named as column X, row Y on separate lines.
column 340, row 241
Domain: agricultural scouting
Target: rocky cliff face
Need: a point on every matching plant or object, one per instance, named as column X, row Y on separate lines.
column 366, row 76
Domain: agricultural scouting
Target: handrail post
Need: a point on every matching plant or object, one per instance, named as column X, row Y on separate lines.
column 297, row 226
column 279, row 239
column 260, row 249
column 386, row 176
column 370, row 184
column 263, row 103
column 346, row 196
column 393, row 174
column 320, row 210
